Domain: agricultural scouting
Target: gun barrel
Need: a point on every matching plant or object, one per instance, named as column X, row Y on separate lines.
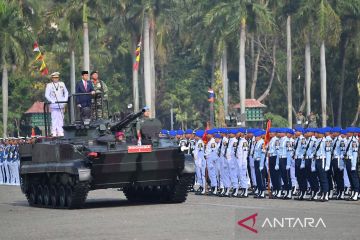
column 126, row 121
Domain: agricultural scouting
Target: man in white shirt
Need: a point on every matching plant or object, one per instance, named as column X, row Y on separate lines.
column 56, row 92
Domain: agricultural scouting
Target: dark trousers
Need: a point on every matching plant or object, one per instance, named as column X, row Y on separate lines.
column 300, row 174
column 311, row 177
column 322, row 175
column 274, row 174
column 330, row 177
column 249, row 172
column 353, row 176
column 285, row 174
column 338, row 174
column 260, row 176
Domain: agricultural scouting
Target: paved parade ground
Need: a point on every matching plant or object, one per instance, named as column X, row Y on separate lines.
column 108, row 215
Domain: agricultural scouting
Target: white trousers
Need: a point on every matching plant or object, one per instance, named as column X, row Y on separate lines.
column 57, row 122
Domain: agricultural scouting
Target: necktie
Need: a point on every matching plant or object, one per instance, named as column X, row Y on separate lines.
column 85, row 85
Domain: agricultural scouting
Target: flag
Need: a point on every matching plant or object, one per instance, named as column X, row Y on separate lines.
column 40, row 58
column 137, row 56
column 36, row 47
column 267, row 135
column 211, row 97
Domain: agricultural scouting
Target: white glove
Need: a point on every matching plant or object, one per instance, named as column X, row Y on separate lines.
column 261, row 168
column 139, row 142
column 52, row 101
column 327, row 169
column 302, row 166
column 287, row 167
column 183, row 148
column 353, row 168
column 276, row 167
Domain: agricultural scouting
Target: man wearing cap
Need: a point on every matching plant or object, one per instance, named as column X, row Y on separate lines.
column 299, row 151
column 230, row 161
column 274, row 161
column 200, row 163
column 84, row 101
column 241, row 155
column 337, row 162
column 56, row 92
column 211, row 157
column 224, row 171
column 328, row 150
column 351, row 158
column 140, row 122
column 259, row 163
column 251, row 169
column 101, row 96
column 320, row 164
column 284, row 164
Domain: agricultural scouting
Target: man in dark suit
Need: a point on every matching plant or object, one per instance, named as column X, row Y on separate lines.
column 84, row 101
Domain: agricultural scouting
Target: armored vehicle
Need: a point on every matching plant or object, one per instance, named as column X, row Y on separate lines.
column 59, row 172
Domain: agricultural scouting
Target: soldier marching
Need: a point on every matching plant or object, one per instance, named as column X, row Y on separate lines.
column 314, row 164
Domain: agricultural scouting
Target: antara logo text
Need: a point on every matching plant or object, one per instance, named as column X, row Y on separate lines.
column 284, row 222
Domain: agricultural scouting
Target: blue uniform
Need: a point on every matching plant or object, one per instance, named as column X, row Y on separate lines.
column 320, row 164
column 300, row 147
column 284, row 163
column 259, row 164
column 351, row 156
column 274, row 164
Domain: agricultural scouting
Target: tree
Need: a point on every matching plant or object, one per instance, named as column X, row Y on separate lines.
column 13, row 33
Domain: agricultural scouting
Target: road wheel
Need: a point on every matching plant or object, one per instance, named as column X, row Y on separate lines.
column 54, row 198
column 69, row 195
column 46, row 195
column 32, row 194
column 40, row 199
column 62, row 196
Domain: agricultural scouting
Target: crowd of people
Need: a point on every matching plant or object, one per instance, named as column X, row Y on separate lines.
column 304, row 164
column 10, row 160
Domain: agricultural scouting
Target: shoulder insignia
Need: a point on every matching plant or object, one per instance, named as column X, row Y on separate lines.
column 213, row 145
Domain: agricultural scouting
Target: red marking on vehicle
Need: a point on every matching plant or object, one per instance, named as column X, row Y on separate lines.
column 140, row 149
column 93, row 154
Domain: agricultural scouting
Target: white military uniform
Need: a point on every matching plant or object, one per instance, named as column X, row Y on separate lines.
column 56, row 92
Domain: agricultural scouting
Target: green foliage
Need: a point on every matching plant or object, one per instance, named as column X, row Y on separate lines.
column 276, row 120
column 189, row 37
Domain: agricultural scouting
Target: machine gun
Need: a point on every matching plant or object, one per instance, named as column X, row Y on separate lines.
column 126, row 121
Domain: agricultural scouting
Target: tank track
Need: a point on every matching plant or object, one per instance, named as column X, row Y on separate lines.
column 71, row 195
column 176, row 193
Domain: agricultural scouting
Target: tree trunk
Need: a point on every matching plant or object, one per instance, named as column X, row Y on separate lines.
column 289, row 69
column 152, row 67
column 356, row 118
column 323, row 83
column 242, row 70
column 225, row 80
column 5, row 89
column 343, row 47
column 308, row 75
column 267, row 91
column 212, row 115
column 86, row 40
column 72, row 83
column 147, row 63
column 135, row 75
column 255, row 75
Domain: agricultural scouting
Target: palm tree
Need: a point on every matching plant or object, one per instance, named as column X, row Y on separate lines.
column 236, row 14
column 329, row 26
column 13, row 33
